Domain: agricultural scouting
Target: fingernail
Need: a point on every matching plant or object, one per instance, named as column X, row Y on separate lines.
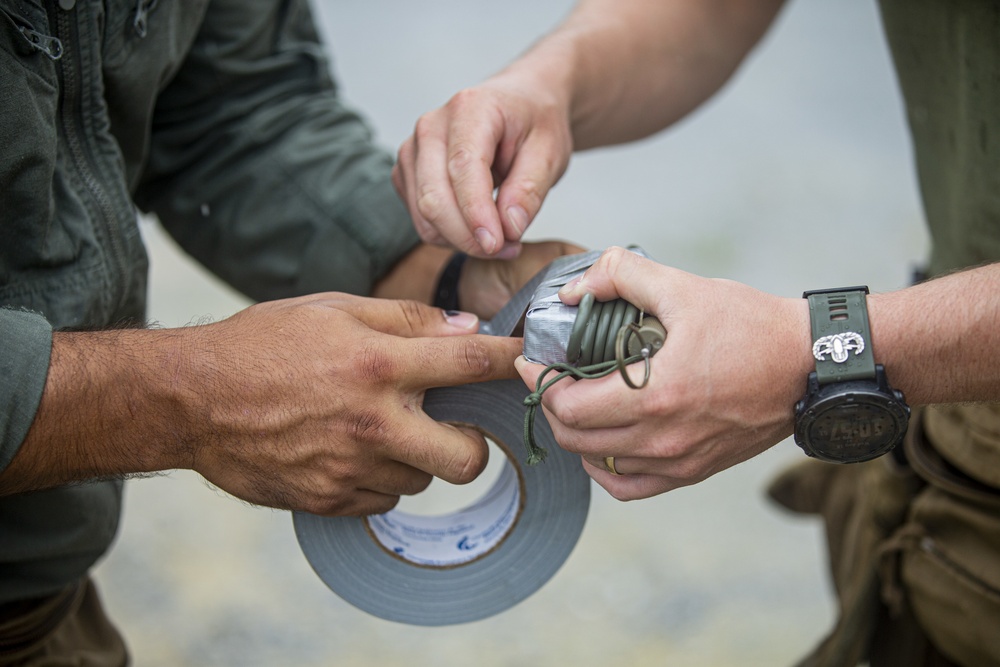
column 486, row 241
column 461, row 319
column 571, row 286
column 510, row 251
column 518, row 219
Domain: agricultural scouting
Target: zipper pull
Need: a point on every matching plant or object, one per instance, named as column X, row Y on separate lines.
column 50, row 46
column 142, row 10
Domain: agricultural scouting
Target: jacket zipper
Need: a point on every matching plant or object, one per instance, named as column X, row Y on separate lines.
column 72, row 122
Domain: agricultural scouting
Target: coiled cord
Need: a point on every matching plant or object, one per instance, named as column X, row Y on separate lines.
column 606, row 336
column 592, row 339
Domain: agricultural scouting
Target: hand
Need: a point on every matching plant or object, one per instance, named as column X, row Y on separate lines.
column 509, row 132
column 486, row 285
column 721, row 390
column 314, row 403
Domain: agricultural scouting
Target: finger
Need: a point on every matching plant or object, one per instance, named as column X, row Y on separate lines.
column 635, row 465
column 363, row 484
column 602, row 403
column 435, row 200
column 395, row 478
column 456, row 455
column 472, row 144
column 539, row 164
column 622, row 273
column 446, row 362
column 510, row 250
column 596, row 443
column 404, row 159
column 629, row 487
column 364, row 503
column 403, row 179
column 529, row 372
column 405, row 318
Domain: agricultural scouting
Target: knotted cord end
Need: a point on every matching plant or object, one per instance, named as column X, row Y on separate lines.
column 536, row 456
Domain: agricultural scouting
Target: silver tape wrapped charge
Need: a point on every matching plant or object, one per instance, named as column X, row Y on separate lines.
column 547, row 320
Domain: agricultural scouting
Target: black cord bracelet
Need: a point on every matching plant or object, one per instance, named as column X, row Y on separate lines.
column 446, row 294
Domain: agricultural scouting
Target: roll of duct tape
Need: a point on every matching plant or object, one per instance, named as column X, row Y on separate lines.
column 476, row 562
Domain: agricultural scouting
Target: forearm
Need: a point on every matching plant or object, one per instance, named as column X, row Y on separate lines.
column 109, row 409
column 626, row 69
column 940, row 340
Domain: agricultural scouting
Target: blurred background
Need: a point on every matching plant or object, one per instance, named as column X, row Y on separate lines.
column 796, row 176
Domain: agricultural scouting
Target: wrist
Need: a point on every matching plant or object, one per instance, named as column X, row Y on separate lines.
column 802, row 360
column 100, row 415
column 180, row 386
column 796, row 354
column 447, row 294
column 910, row 349
column 147, row 401
column 415, row 275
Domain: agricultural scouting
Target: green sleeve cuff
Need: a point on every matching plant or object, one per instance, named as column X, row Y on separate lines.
column 24, row 367
column 376, row 220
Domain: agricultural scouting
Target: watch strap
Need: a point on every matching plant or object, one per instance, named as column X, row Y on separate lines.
column 841, row 334
column 446, row 291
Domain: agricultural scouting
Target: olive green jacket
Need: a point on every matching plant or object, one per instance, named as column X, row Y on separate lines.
column 220, row 117
column 947, row 59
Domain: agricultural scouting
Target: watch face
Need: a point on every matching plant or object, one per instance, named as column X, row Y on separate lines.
column 853, row 430
column 852, row 426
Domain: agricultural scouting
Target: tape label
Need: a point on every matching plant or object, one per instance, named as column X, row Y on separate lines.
column 453, row 539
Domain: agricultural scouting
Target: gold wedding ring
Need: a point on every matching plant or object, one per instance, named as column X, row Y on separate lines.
column 609, row 463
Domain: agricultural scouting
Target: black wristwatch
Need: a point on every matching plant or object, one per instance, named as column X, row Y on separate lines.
column 849, row 413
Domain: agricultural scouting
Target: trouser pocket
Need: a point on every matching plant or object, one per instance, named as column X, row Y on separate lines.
column 944, row 561
column 23, row 626
column 68, row 628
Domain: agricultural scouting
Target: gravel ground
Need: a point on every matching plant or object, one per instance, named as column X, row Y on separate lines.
column 796, row 176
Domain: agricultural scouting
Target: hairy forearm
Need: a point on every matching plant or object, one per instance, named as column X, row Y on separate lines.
column 105, row 412
column 628, row 68
column 940, row 340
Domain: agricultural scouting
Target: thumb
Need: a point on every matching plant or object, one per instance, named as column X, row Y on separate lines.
column 622, row 273
column 528, row 371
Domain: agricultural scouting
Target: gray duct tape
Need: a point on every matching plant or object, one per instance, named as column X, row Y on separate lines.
column 472, row 564
column 482, row 559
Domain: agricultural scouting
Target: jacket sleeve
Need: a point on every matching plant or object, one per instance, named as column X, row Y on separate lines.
column 257, row 168
column 24, row 366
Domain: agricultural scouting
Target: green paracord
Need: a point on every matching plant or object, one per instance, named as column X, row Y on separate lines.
column 606, row 336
